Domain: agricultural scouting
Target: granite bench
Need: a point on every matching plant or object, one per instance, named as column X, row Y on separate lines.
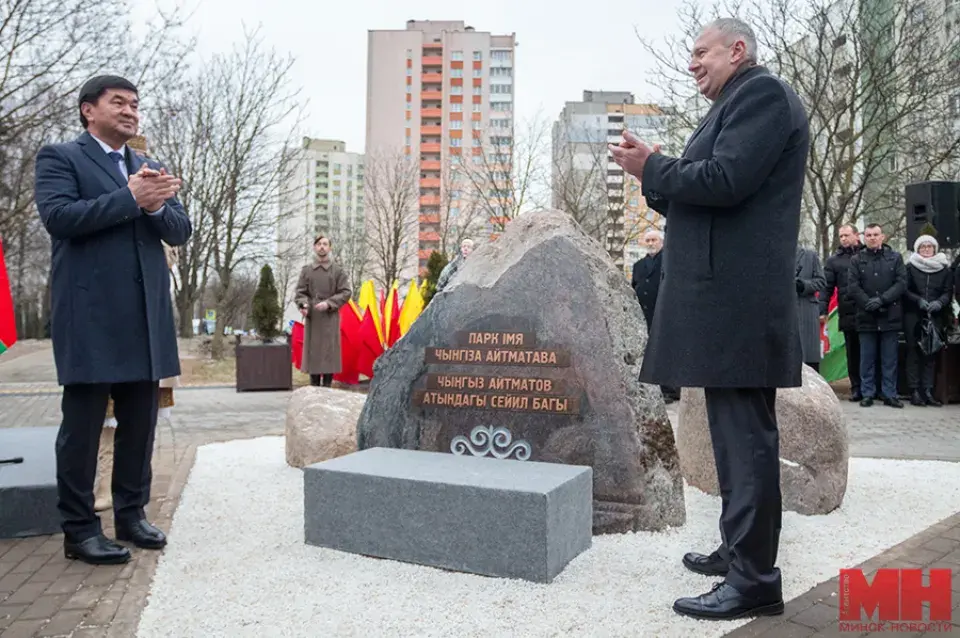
column 28, row 488
column 503, row 518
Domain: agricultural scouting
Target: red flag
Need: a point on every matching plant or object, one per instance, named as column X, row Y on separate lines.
column 296, row 344
column 370, row 346
column 833, row 302
column 8, row 323
column 350, row 344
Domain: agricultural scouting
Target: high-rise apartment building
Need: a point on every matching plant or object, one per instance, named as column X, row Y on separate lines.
column 325, row 195
column 441, row 93
column 590, row 185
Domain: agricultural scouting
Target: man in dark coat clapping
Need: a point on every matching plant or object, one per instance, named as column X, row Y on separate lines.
column 107, row 210
column 726, row 318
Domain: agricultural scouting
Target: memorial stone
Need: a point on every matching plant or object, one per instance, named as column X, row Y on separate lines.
column 532, row 352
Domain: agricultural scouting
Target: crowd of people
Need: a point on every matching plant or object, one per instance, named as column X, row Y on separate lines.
column 880, row 296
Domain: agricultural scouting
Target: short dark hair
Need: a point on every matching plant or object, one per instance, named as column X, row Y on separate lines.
column 317, row 239
column 94, row 88
column 874, row 225
column 852, row 227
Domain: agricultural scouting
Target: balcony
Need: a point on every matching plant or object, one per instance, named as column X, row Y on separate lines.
column 431, row 130
column 429, row 182
column 427, row 96
column 429, row 165
column 432, row 60
column 429, row 236
column 432, row 78
column 430, row 200
column 431, row 112
column 430, row 148
column 429, row 219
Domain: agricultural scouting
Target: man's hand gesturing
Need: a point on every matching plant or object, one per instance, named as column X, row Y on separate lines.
column 152, row 188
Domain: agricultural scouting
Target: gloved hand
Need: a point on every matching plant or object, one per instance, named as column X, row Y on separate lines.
column 924, row 305
column 934, row 307
column 799, row 285
column 874, row 304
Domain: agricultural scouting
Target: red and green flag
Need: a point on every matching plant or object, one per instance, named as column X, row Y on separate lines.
column 834, row 363
column 8, row 326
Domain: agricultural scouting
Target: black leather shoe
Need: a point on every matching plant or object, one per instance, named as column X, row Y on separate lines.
column 917, row 399
column 142, row 534
column 866, row 402
column 855, row 396
column 711, row 565
column 930, row 400
column 96, row 550
column 892, row 402
column 724, row 602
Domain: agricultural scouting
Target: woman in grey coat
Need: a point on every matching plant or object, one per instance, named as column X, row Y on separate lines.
column 809, row 282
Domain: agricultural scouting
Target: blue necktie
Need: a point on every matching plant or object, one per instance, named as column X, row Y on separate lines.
column 118, row 161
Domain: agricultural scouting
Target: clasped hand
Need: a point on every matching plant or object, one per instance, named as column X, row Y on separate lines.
column 151, row 188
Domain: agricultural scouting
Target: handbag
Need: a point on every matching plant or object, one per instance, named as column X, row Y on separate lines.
column 929, row 339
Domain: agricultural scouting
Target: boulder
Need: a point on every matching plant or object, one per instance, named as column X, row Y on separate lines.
column 321, row 424
column 533, row 352
column 814, row 451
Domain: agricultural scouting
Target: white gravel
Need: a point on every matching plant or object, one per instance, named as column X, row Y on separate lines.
column 237, row 564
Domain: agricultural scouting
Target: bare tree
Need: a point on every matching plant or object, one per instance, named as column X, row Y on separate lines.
column 462, row 216
column 579, row 178
column 47, row 50
column 880, row 86
column 352, row 249
column 506, row 175
column 233, row 136
column 391, row 195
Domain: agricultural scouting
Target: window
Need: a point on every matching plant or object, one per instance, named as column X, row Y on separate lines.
column 475, row 124
column 634, row 202
column 456, row 56
column 498, row 106
column 500, row 56
column 501, row 88
column 409, row 89
column 456, row 73
column 478, row 73
column 476, row 141
column 476, row 108
column 478, row 159
column 409, row 54
column 456, row 107
column 456, row 90
column 478, row 90
column 501, row 72
column 409, row 71
column 478, row 55
column 455, row 141
column 456, row 125
column 454, row 212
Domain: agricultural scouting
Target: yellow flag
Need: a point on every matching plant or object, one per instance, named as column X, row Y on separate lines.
column 368, row 303
column 412, row 307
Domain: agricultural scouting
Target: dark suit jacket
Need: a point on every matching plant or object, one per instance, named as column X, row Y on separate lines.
column 112, row 316
column 646, row 283
column 726, row 315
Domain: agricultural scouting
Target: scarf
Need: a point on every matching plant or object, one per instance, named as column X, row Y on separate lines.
column 929, row 264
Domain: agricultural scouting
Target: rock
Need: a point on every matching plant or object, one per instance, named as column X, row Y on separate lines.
column 321, row 424
column 814, row 451
column 533, row 352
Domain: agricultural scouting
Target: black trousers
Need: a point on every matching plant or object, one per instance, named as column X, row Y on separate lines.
column 746, row 447
column 851, row 340
column 84, row 407
column 322, row 379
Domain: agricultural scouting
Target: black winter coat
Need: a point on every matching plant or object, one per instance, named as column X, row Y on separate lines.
column 646, row 283
column 933, row 286
column 878, row 274
column 835, row 271
column 738, row 184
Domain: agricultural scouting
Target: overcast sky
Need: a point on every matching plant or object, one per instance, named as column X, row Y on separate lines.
column 564, row 46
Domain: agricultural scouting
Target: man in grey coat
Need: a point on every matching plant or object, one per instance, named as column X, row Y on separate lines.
column 107, row 210
column 726, row 318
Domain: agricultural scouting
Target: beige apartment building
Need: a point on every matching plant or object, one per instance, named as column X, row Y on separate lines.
column 441, row 93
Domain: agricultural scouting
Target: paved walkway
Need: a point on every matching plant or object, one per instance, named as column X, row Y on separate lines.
column 42, row 594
